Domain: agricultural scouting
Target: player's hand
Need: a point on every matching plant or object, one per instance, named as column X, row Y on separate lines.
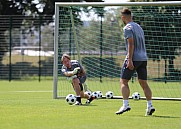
column 76, row 70
column 130, row 65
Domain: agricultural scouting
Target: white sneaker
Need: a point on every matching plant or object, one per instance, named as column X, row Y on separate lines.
column 77, row 103
column 149, row 111
column 123, row 109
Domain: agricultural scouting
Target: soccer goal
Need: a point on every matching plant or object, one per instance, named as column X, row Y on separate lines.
column 93, row 34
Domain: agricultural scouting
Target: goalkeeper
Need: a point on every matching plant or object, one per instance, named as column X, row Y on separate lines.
column 77, row 76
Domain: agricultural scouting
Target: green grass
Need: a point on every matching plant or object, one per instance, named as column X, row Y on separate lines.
column 159, row 89
column 29, row 105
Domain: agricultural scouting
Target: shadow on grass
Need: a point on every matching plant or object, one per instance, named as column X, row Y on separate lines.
column 157, row 116
column 83, row 105
column 165, row 116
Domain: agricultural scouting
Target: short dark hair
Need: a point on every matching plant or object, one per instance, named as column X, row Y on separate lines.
column 126, row 11
column 65, row 56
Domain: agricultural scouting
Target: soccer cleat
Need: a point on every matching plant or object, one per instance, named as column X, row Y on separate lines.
column 123, row 109
column 89, row 100
column 150, row 111
column 77, row 103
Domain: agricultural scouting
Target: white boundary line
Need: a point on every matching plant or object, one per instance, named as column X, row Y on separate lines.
column 30, row 91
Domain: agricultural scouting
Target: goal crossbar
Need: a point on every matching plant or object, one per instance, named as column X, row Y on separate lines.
column 175, row 3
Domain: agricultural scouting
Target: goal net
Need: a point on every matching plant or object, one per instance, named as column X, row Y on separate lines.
column 92, row 33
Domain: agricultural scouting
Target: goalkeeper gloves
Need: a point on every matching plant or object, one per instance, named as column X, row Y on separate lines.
column 76, row 70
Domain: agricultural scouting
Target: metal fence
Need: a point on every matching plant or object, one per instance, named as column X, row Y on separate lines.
column 26, row 47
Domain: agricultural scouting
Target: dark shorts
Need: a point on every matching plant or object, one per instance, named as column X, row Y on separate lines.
column 82, row 79
column 140, row 68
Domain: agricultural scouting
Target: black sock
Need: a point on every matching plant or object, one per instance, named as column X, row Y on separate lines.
column 91, row 98
column 78, row 99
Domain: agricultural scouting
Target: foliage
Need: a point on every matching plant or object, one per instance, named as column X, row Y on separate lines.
column 27, row 8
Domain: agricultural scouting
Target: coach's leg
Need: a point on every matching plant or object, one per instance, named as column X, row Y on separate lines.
column 148, row 94
column 124, row 89
column 125, row 93
column 124, row 79
column 146, row 89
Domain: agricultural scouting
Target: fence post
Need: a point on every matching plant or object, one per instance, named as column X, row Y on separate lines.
column 40, row 20
column 101, row 41
column 10, row 46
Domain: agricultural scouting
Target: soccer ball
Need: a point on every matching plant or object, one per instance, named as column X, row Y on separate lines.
column 70, row 99
column 99, row 94
column 109, row 95
column 88, row 93
column 95, row 94
column 136, row 96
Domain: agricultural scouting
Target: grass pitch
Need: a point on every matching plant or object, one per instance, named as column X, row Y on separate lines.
column 29, row 105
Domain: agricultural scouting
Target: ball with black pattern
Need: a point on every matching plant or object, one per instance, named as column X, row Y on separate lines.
column 99, row 94
column 70, row 99
column 136, row 96
column 109, row 95
column 95, row 94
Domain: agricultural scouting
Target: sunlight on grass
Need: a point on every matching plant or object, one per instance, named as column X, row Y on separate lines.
column 27, row 110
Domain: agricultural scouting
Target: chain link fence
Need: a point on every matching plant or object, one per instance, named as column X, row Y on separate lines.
column 26, row 47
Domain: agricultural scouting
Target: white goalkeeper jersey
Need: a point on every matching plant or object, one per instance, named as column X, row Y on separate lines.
column 134, row 30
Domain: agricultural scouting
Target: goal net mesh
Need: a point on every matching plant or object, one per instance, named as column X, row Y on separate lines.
column 94, row 36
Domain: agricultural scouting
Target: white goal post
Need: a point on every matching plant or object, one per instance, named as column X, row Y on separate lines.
column 92, row 33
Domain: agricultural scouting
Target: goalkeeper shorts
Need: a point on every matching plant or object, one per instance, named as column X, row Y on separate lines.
column 82, row 79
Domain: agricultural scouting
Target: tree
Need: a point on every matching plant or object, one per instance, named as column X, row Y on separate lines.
column 11, row 7
column 24, row 8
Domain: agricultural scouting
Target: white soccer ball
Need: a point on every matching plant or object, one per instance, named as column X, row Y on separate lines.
column 99, row 94
column 88, row 93
column 70, row 99
column 109, row 95
column 136, row 96
column 95, row 94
